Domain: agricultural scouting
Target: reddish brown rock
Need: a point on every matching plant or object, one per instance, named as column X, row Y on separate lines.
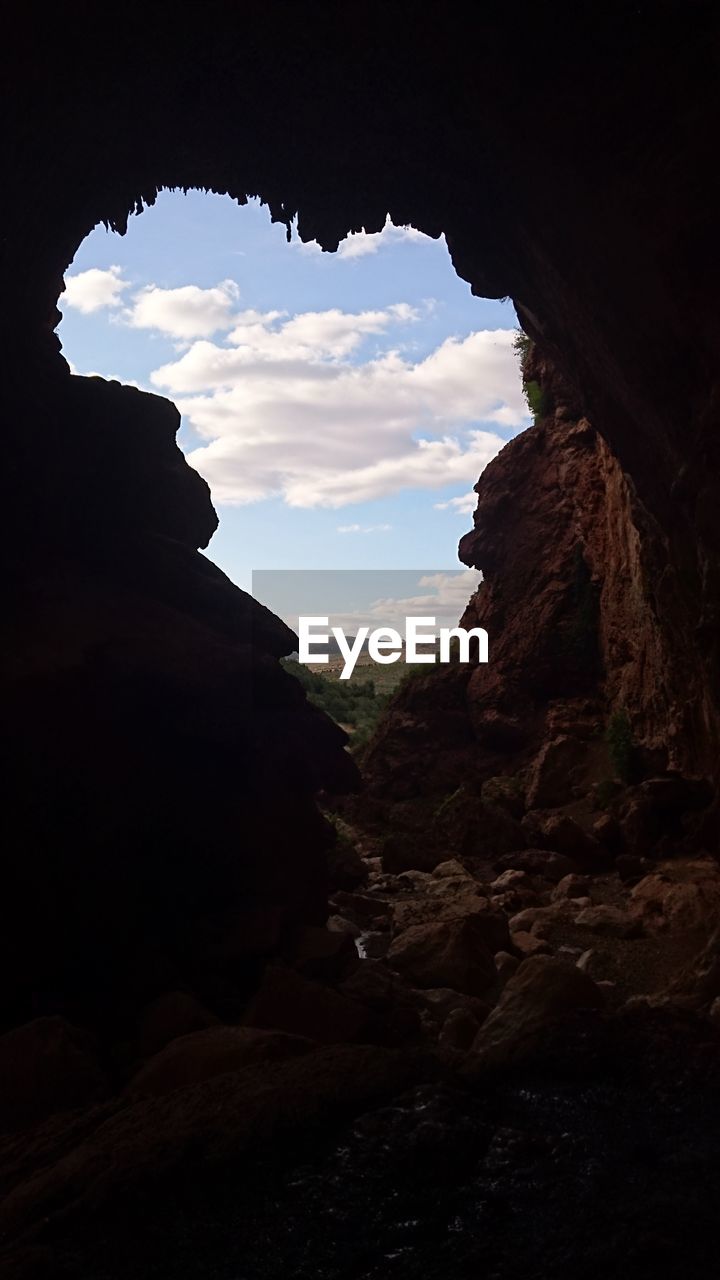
column 538, row 862
column 288, row 1002
column 608, row 920
column 529, row 944
column 550, row 776
column 457, row 954
column 572, row 887
column 424, row 909
column 681, row 897
column 542, row 993
column 213, row 1052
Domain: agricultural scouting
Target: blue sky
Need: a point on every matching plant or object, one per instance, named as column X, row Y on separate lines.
column 341, row 406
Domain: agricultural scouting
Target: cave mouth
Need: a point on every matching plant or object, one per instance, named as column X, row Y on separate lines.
column 187, row 1021
column 340, row 406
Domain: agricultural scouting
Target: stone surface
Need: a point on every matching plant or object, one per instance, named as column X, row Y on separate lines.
column 173, row 1014
column 288, row 1002
column 549, row 781
column 611, row 921
column 542, row 993
column 456, row 954
column 572, row 886
column 538, row 862
column 212, row 1052
column 680, row 897
column 459, row 1029
column 529, row 944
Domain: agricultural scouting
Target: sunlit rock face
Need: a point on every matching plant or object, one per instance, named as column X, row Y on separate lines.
column 578, row 594
column 581, row 607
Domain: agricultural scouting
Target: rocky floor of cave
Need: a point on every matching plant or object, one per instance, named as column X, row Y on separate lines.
column 591, row 1148
column 602, row 1163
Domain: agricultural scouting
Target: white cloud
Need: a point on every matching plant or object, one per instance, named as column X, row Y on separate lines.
column 92, row 290
column 282, row 410
column 464, row 505
column 364, row 528
column 444, row 598
column 187, row 312
column 359, row 244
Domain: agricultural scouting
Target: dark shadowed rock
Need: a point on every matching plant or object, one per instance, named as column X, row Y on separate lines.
column 541, row 994
column 538, row 862
column 173, row 1014
column 212, row 1052
column 286, row 1001
column 456, row 953
column 47, row 1065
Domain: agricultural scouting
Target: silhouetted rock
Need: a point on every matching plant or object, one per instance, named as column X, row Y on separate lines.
column 212, row 1052
column 47, row 1065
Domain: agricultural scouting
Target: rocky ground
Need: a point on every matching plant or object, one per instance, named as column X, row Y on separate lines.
column 489, row 1066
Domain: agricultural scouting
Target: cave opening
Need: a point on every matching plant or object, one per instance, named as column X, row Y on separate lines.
column 341, row 406
column 531, row 870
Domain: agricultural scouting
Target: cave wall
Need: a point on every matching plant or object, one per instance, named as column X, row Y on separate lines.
column 563, row 154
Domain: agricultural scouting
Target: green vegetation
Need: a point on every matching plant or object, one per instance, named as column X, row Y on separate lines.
column 620, row 744
column 539, row 401
column 355, row 704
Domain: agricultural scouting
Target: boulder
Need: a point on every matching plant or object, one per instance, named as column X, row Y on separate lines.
column 431, row 910
column 560, row 832
column 511, row 879
column 452, row 869
column 613, row 922
column 287, row 1001
column 535, row 920
column 213, row 1052
column 550, row 776
column 359, row 906
column 170, row 1015
column 47, row 1065
column 506, row 965
column 529, row 944
column 681, row 897
column 392, row 1014
column 572, row 887
column 542, row 993
column 346, row 869
column 538, row 862
column 459, row 1029
column 455, row 953
column 328, row 954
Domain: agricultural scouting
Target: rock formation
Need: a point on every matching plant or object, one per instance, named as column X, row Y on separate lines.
column 578, row 602
column 163, row 867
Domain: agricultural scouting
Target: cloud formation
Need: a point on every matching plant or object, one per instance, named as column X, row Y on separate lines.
column 322, row 408
column 288, row 408
column 364, row 528
column 185, row 313
column 92, row 290
column 359, row 244
column 444, row 597
column 464, row 504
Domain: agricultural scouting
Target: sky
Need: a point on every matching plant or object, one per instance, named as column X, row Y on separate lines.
column 341, row 406
column 372, row 598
